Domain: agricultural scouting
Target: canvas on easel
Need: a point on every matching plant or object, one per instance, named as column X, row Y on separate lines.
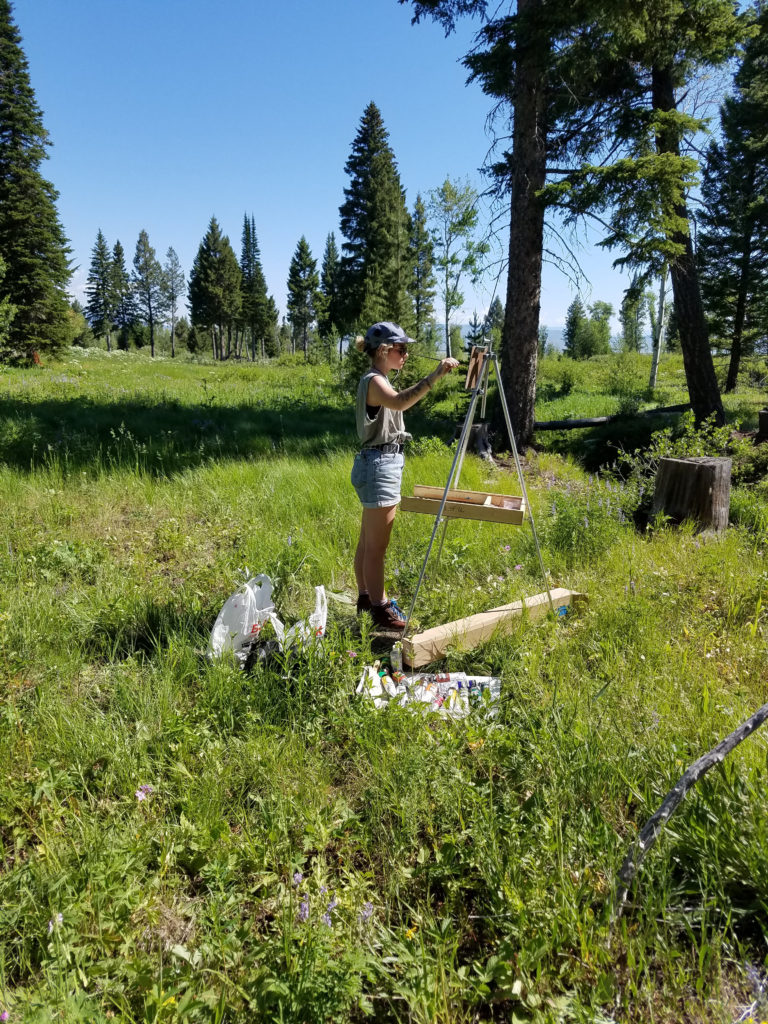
column 474, row 368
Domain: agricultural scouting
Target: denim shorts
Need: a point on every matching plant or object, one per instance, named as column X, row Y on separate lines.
column 376, row 476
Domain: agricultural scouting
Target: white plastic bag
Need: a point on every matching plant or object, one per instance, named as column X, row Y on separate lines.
column 241, row 619
column 305, row 631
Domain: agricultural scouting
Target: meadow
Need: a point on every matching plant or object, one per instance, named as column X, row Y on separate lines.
column 182, row 841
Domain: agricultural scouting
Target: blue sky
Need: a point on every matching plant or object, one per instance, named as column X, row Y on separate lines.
column 163, row 113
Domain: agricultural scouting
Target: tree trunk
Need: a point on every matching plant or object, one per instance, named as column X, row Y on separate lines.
column 741, row 306
column 658, row 334
column 520, row 337
column 692, row 325
column 694, row 488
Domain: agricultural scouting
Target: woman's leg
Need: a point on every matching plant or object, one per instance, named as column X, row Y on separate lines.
column 375, row 531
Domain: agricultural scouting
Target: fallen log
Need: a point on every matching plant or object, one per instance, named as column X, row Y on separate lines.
column 596, row 421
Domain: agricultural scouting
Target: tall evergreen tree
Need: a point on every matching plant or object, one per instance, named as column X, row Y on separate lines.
column 303, row 286
column 125, row 303
column 32, row 241
column 99, row 289
column 172, row 290
column 148, row 286
column 215, row 298
column 374, row 266
column 328, row 312
column 422, row 285
column 254, row 311
column 733, row 245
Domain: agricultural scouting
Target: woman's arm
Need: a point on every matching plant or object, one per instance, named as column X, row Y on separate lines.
column 381, row 392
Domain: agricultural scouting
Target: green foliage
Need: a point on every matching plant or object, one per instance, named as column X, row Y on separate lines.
column 586, row 336
column 626, row 381
column 453, row 218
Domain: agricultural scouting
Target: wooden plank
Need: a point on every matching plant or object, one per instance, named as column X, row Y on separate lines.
column 466, row 633
column 465, row 510
column 475, row 497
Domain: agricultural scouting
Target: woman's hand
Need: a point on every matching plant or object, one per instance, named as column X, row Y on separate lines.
column 444, row 366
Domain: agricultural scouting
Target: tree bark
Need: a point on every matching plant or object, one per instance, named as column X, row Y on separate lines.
column 658, row 334
column 692, row 325
column 694, row 488
column 520, row 337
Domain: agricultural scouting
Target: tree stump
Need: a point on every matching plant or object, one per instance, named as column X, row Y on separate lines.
column 697, row 488
column 762, row 425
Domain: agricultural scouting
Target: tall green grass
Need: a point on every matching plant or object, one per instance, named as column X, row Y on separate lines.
column 180, row 841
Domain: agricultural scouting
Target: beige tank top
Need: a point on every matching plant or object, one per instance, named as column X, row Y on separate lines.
column 386, row 427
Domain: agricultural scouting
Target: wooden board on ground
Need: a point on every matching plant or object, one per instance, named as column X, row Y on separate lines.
column 466, row 633
column 482, row 505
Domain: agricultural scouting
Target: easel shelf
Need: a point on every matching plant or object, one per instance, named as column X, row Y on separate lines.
column 460, row 504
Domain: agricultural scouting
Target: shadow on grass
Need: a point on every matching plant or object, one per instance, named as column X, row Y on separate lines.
column 162, row 438
column 596, row 447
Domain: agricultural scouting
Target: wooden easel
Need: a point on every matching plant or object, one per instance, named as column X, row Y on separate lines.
column 454, row 503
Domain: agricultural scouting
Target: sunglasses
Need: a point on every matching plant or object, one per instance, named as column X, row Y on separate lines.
column 401, row 349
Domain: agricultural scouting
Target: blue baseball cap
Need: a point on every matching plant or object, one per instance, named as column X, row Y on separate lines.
column 386, row 333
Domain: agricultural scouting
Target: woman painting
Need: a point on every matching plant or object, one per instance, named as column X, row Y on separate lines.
column 378, row 468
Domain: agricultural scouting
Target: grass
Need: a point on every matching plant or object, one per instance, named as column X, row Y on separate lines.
column 294, row 854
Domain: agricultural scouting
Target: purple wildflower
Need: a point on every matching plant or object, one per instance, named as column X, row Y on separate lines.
column 352, row 654
column 4, row 1015
column 323, row 890
column 518, row 567
column 143, row 792
column 55, row 922
column 505, row 548
column 298, row 878
column 303, row 914
column 367, row 912
column 326, row 919
column 333, row 904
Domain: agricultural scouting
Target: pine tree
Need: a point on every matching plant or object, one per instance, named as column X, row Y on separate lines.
column 254, row 312
column 422, row 285
column 328, row 312
column 125, row 303
column 99, row 289
column 172, row 290
column 575, row 319
column 494, row 319
column 148, row 286
column 303, row 286
column 733, row 245
column 32, row 240
column 632, row 315
column 215, row 298
column 375, row 260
